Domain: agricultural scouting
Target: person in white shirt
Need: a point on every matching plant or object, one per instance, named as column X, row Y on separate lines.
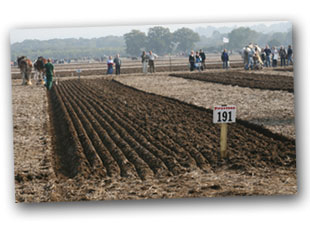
column 152, row 58
column 144, row 59
column 275, row 56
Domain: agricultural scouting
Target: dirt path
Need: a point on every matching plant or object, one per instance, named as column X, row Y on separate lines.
column 34, row 174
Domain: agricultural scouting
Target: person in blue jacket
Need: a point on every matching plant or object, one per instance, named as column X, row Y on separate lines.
column 267, row 51
column 225, row 59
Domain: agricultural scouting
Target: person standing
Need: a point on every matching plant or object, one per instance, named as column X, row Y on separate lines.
column 225, row 59
column 191, row 60
column 144, row 59
column 282, row 53
column 275, row 57
column 110, row 65
column 198, row 61
column 251, row 57
column 203, row 59
column 117, row 61
column 151, row 57
column 49, row 73
column 289, row 55
column 267, row 52
column 263, row 56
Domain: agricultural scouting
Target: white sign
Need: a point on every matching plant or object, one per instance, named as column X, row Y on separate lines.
column 224, row 114
column 225, row 40
column 78, row 70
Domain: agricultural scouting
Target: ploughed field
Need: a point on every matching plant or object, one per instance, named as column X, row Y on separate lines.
column 257, row 80
column 104, row 129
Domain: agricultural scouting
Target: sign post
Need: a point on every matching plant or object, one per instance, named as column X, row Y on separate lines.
column 224, row 114
column 223, row 142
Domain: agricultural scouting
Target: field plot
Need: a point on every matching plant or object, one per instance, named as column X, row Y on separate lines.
column 272, row 109
column 257, row 80
column 98, row 139
column 106, row 133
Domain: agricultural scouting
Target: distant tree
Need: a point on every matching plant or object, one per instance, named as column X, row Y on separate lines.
column 289, row 38
column 186, row 38
column 240, row 37
column 274, row 43
column 159, row 40
column 135, row 42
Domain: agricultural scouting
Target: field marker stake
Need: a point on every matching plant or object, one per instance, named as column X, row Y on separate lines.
column 224, row 114
column 223, row 141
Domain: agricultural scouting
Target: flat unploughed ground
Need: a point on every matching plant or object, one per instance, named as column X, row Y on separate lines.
column 98, row 139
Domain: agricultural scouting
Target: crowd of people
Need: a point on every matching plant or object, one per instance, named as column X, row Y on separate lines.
column 270, row 56
column 147, row 59
column 256, row 58
column 197, row 61
column 267, row 57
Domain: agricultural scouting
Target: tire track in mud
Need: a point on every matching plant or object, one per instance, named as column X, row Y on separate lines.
column 119, row 131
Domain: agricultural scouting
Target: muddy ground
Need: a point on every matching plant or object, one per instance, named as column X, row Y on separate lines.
column 159, row 147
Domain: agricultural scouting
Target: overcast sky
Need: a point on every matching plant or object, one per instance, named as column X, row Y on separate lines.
column 19, row 35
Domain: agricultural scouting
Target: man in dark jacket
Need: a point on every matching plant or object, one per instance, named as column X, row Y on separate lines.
column 225, row 59
column 267, row 51
column 191, row 60
column 282, row 53
column 117, row 61
column 203, row 59
column 289, row 55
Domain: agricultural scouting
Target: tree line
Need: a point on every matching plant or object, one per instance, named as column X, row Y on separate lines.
column 70, row 48
column 158, row 39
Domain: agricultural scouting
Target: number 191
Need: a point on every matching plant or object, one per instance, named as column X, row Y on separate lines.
column 224, row 116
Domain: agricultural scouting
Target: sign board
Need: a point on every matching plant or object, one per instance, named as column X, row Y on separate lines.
column 225, row 40
column 78, row 70
column 224, row 114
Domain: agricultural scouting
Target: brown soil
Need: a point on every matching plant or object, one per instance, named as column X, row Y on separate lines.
column 244, row 79
column 107, row 129
column 111, row 141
